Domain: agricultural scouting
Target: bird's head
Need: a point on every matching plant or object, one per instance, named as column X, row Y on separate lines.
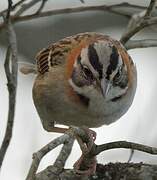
column 99, row 70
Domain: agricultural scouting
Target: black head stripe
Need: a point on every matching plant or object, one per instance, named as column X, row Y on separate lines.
column 113, row 62
column 114, row 58
column 94, row 60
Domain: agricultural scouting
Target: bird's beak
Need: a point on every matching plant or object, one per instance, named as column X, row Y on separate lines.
column 105, row 87
column 108, row 86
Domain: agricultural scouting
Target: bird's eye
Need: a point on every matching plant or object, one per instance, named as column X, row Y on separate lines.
column 117, row 77
column 87, row 73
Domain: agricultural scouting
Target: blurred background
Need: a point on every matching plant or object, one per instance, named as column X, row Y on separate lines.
column 139, row 124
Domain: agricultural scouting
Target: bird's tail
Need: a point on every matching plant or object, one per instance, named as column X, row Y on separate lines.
column 27, row 68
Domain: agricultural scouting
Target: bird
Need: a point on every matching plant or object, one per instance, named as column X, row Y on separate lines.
column 84, row 80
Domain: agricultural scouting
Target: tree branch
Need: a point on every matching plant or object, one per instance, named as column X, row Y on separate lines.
column 64, row 153
column 41, row 6
column 115, row 171
column 25, row 7
column 138, row 22
column 9, row 10
column 141, row 25
column 67, row 11
column 131, row 155
column 150, row 8
column 57, row 169
column 65, row 139
column 132, row 44
column 97, row 149
column 82, row 1
column 13, row 7
column 11, row 74
column 116, row 9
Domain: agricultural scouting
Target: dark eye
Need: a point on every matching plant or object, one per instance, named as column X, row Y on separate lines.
column 87, row 73
column 117, row 77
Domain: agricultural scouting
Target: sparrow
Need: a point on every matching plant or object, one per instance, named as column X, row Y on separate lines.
column 85, row 80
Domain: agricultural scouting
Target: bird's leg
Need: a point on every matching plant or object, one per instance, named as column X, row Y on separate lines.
column 85, row 139
column 59, row 130
column 86, row 143
column 50, row 127
column 86, row 165
column 91, row 137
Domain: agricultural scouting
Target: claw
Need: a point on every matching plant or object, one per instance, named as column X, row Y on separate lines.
column 92, row 137
column 86, row 165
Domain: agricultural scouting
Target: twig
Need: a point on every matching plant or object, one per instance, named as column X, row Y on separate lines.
column 138, row 22
column 58, row 167
column 25, row 7
column 97, row 149
column 67, row 140
column 42, row 152
column 136, row 18
column 67, row 11
column 121, row 5
column 150, row 8
column 9, row 10
column 139, row 26
column 82, row 1
column 64, row 153
column 131, row 155
column 41, row 6
column 27, row 68
column 132, row 44
column 112, row 8
column 11, row 74
column 116, row 9
column 13, row 7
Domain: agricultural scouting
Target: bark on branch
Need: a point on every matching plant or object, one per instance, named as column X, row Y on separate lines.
column 115, row 171
column 139, row 21
column 139, row 26
column 60, row 161
column 11, row 68
column 132, row 44
column 119, row 9
column 150, row 8
column 57, row 171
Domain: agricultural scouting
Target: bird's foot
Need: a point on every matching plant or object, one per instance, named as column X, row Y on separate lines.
column 91, row 138
column 84, row 136
column 85, row 166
